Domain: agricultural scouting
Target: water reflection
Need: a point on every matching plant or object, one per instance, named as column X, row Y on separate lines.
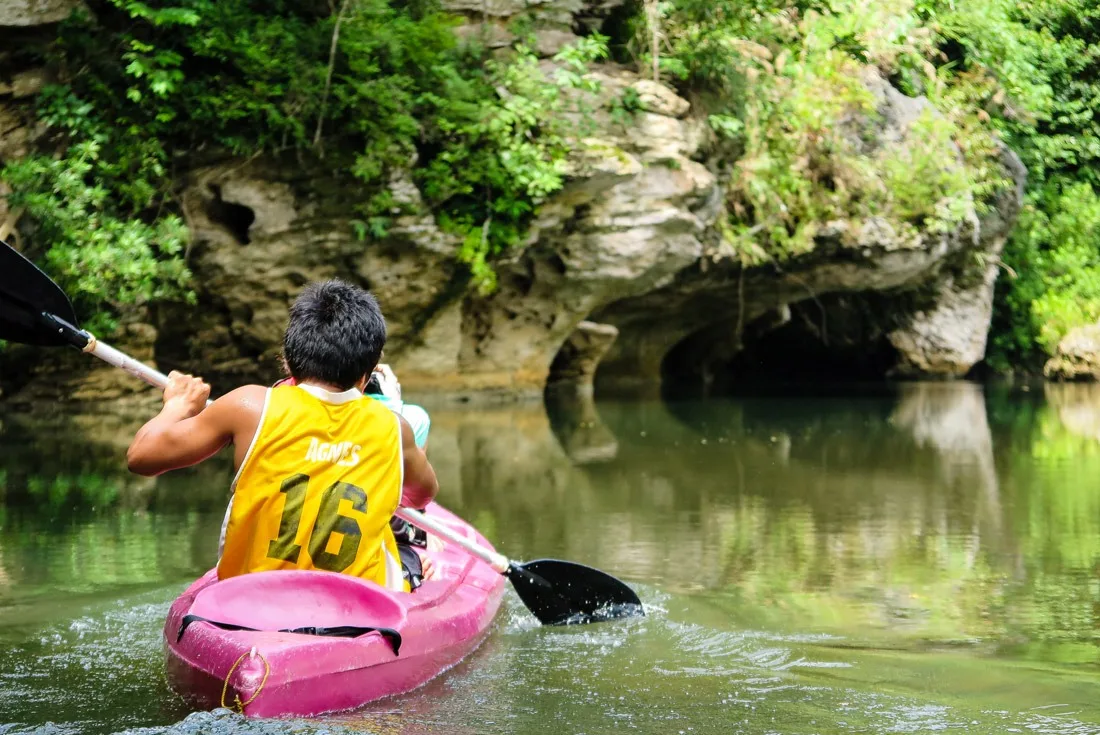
column 1078, row 407
column 908, row 558
column 876, row 520
column 577, row 424
column 74, row 521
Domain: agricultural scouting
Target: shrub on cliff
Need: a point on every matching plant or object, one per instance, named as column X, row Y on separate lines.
column 787, row 84
column 105, row 262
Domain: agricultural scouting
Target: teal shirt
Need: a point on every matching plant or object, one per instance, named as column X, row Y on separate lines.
column 416, row 416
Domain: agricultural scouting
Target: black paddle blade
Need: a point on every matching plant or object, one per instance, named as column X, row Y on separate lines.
column 25, row 293
column 566, row 593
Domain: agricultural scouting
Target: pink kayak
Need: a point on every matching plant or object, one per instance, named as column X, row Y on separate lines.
column 316, row 642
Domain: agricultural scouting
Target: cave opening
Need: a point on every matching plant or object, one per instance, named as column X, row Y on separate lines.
column 821, row 344
column 236, row 218
column 620, row 28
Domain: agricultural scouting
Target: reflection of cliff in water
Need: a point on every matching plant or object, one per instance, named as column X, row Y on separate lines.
column 1077, row 406
column 77, row 464
column 578, row 426
column 851, row 499
column 924, row 443
column 554, row 473
column 846, row 472
column 951, row 419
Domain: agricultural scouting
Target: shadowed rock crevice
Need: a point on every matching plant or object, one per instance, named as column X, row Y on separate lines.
column 931, row 301
column 236, row 218
column 578, row 359
column 835, row 338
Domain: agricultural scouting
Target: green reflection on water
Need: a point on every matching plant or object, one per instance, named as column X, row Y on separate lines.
column 916, row 558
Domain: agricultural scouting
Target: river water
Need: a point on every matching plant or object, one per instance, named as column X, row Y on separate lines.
column 895, row 559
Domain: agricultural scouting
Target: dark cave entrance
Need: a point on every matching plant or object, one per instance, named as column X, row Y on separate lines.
column 828, row 342
column 236, row 218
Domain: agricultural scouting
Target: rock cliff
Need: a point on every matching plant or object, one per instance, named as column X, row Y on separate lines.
column 624, row 267
column 27, row 13
column 1077, row 356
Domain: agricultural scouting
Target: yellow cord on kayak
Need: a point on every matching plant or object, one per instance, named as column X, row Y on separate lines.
column 236, row 697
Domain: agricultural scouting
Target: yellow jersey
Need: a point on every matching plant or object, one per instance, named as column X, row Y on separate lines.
column 317, row 488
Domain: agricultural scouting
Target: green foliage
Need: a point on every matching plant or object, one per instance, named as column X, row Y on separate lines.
column 799, row 169
column 59, row 492
column 786, row 83
column 96, row 256
column 361, row 90
column 1028, row 72
column 923, row 178
column 1056, row 254
column 503, row 154
column 364, row 88
column 394, row 86
column 781, row 84
column 1049, row 56
column 624, row 107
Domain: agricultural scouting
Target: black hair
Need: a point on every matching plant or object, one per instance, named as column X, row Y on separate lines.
column 374, row 385
column 335, row 334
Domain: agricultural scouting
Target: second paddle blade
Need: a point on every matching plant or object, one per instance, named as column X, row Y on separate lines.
column 26, row 292
column 566, row 593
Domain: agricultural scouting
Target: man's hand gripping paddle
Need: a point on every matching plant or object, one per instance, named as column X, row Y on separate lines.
column 35, row 311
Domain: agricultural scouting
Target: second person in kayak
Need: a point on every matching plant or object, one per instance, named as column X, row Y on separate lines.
column 319, row 471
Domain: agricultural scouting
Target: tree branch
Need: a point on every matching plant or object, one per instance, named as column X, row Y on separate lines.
column 328, row 76
column 653, row 21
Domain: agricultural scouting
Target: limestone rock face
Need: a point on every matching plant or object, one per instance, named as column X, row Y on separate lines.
column 579, row 357
column 1077, row 357
column 634, row 213
column 553, row 21
column 953, row 272
column 950, row 338
column 259, row 236
column 627, row 257
column 503, row 8
column 22, row 13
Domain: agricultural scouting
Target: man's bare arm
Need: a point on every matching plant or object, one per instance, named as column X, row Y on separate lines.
column 186, row 431
column 421, row 485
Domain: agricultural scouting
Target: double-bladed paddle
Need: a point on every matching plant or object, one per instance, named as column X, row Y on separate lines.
column 35, row 311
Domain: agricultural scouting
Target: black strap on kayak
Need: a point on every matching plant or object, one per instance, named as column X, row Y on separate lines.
column 340, row 631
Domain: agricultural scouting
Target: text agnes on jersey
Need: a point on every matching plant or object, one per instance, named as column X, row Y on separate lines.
column 345, row 454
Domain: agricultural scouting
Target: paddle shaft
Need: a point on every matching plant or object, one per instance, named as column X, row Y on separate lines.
column 498, row 562
column 85, row 341
column 158, row 379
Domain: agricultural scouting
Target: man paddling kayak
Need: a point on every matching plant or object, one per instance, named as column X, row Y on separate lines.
column 383, row 386
column 319, row 472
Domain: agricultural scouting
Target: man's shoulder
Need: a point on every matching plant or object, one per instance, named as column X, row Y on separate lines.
column 245, row 403
column 246, row 393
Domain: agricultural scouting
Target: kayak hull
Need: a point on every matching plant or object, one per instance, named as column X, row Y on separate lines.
column 267, row 673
